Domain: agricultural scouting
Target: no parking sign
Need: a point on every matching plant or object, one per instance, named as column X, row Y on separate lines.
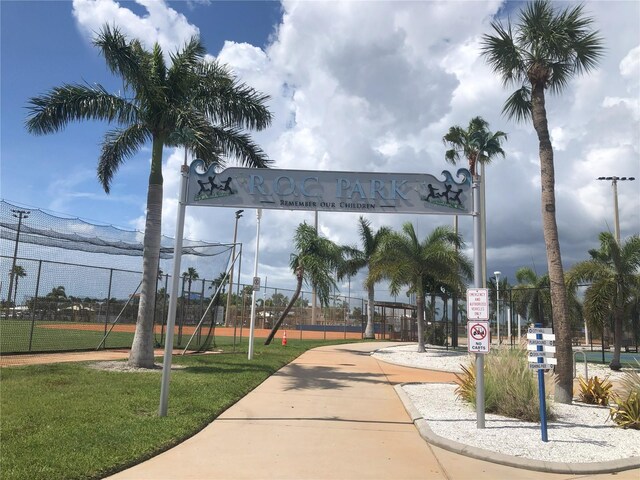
column 478, row 336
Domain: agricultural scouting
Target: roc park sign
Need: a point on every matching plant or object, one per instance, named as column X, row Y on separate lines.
column 329, row 191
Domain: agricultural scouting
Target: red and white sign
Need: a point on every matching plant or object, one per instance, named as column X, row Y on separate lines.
column 478, row 337
column 477, row 304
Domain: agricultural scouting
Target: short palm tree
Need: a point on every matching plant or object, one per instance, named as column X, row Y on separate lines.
column 406, row 261
column 315, row 260
column 192, row 103
column 18, row 272
column 544, row 51
column 358, row 259
column 190, row 275
column 531, row 296
column 614, row 273
column 476, row 144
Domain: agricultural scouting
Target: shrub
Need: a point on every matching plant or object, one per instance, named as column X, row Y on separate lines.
column 595, row 391
column 435, row 335
column 510, row 387
column 626, row 411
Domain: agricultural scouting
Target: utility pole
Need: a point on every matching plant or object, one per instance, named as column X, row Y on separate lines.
column 614, row 184
column 20, row 215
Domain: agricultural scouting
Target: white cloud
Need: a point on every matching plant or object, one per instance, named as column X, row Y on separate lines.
column 373, row 86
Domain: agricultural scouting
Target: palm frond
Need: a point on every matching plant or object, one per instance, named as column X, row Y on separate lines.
column 234, row 143
column 118, row 145
column 52, row 111
column 518, row 105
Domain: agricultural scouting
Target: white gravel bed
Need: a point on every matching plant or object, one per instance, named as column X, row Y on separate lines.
column 450, row 361
column 581, row 433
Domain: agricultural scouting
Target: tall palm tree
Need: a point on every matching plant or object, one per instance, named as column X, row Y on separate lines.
column 357, row 259
column 17, row 271
column 614, row 273
column 544, row 51
column 406, row 261
column 192, row 103
column 476, row 144
column 315, row 260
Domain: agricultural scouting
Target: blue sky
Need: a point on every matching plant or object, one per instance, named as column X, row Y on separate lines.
column 356, row 86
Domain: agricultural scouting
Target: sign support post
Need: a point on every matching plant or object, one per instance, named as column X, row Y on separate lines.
column 541, row 350
column 477, row 280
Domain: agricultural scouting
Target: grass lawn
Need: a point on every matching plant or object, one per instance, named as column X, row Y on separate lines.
column 68, row 421
column 15, row 335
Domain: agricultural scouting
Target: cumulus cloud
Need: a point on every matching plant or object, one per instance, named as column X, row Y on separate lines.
column 373, row 86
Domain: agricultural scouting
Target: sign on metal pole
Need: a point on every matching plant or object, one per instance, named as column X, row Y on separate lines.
column 540, row 355
column 256, row 284
column 478, row 337
column 477, row 304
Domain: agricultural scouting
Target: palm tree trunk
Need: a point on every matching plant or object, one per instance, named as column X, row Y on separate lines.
column 285, row 312
column 369, row 331
column 141, row 354
column 420, row 320
column 617, row 337
column 559, row 305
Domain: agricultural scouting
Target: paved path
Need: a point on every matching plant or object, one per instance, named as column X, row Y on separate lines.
column 330, row 414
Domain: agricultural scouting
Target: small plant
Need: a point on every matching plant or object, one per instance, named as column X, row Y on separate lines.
column 626, row 413
column 510, row 388
column 466, row 381
column 595, row 391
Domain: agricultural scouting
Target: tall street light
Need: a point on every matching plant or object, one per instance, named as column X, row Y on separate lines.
column 614, row 185
column 233, row 264
column 497, row 274
column 20, row 215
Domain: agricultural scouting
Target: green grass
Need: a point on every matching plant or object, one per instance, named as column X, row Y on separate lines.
column 15, row 334
column 68, row 421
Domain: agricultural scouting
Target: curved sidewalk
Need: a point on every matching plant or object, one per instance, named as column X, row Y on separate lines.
column 332, row 413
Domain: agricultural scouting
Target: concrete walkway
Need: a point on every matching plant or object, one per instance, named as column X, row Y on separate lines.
column 333, row 413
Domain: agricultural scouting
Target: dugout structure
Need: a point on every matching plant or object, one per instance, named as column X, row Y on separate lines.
column 70, row 284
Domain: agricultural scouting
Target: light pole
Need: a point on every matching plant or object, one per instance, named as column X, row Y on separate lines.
column 253, row 296
column 20, row 215
column 497, row 274
column 233, row 264
column 614, row 185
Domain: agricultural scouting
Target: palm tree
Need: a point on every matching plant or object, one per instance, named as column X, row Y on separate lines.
column 193, row 103
column 531, row 296
column 475, row 144
column 405, row 261
column 359, row 259
column 614, row 273
column 315, row 260
column 544, row 50
column 17, row 271
column 190, row 275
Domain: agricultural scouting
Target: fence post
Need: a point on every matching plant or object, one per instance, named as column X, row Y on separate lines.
column 35, row 302
column 106, row 314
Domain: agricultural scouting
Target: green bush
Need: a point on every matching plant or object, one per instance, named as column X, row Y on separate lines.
column 434, row 335
column 510, row 387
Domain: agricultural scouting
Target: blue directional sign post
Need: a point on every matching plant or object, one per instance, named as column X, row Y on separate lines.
column 541, row 356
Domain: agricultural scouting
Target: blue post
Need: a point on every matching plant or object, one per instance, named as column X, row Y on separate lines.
column 541, row 393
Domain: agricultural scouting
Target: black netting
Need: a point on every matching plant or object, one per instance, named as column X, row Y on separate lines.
column 75, row 280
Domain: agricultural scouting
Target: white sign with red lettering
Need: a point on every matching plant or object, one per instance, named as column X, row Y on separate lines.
column 477, row 304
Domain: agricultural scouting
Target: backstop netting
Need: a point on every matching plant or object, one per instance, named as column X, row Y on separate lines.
column 68, row 284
